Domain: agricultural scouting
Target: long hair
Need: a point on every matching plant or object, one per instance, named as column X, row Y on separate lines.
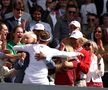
column 94, row 46
column 67, row 44
column 94, row 38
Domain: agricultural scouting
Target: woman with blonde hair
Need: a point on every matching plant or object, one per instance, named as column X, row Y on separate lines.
column 96, row 70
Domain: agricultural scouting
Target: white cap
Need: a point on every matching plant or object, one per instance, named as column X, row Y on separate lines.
column 38, row 26
column 76, row 34
column 75, row 23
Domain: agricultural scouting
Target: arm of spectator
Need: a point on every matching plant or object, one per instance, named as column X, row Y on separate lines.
column 40, row 56
column 70, row 64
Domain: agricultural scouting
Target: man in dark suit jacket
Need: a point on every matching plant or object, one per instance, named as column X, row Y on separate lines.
column 61, row 29
column 12, row 23
column 51, row 16
column 16, row 19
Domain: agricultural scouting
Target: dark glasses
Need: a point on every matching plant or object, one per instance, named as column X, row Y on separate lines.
column 87, row 45
column 19, row 9
column 72, row 12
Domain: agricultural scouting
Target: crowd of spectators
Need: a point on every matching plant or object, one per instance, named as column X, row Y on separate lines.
column 38, row 36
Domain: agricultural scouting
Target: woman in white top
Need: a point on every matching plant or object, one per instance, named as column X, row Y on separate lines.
column 96, row 70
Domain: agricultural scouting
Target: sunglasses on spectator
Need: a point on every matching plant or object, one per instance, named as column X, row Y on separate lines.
column 19, row 9
column 87, row 45
column 91, row 20
column 72, row 12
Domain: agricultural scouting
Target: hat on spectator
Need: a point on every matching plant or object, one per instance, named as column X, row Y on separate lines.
column 75, row 23
column 76, row 34
column 38, row 26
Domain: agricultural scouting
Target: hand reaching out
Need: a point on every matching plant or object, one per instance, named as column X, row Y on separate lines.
column 62, row 46
column 22, row 55
column 82, row 55
column 8, row 64
column 40, row 56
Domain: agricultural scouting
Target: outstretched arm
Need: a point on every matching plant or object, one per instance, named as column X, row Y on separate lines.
column 56, row 53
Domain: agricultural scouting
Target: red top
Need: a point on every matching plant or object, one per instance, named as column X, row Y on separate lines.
column 84, row 64
column 67, row 76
